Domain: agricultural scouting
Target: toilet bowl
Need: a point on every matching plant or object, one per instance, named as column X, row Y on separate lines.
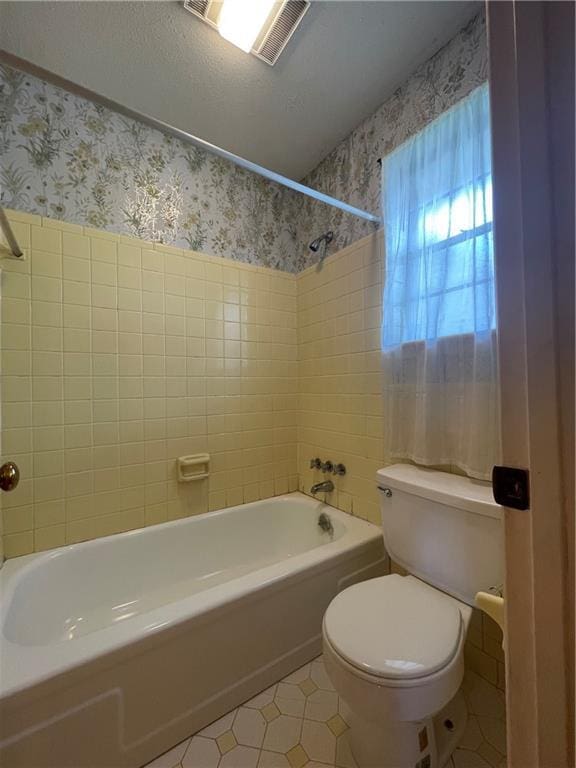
column 394, row 650
column 394, row 646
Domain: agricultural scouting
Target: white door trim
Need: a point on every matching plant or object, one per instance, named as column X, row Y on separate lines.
column 537, row 587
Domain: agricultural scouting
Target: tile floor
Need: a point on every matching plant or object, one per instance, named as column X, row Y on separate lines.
column 302, row 723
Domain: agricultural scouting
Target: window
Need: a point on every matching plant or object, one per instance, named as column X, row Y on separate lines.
column 437, row 210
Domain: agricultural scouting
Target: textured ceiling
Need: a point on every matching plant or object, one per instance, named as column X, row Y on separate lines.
column 343, row 62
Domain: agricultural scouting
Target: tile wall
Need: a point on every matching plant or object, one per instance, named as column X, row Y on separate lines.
column 117, row 357
column 483, row 652
column 340, row 403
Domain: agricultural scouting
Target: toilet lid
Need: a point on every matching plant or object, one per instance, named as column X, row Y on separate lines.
column 394, row 627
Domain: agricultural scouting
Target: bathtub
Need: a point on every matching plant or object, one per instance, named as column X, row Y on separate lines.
column 114, row 650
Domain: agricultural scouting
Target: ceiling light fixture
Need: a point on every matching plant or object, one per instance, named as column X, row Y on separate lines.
column 240, row 21
column 272, row 21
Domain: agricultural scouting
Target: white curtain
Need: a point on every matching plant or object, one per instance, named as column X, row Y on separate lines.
column 438, row 330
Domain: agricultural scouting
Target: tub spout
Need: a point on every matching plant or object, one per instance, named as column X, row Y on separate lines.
column 326, row 487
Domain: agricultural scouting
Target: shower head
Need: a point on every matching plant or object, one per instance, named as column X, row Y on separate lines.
column 326, row 238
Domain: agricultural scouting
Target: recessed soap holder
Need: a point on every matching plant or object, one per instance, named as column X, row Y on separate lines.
column 196, row 467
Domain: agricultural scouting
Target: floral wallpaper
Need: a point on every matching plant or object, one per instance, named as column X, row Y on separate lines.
column 351, row 171
column 68, row 158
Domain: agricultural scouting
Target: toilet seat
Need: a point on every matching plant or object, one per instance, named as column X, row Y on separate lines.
column 394, row 627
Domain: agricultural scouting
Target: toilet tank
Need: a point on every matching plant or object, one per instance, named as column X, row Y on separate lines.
column 445, row 529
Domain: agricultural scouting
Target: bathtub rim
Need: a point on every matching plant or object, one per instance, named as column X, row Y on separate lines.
column 39, row 664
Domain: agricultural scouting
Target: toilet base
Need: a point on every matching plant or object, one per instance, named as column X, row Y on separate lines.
column 428, row 743
column 449, row 726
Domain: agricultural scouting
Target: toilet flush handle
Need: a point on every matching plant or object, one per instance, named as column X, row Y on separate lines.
column 387, row 492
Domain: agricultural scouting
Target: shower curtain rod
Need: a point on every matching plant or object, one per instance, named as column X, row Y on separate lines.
column 9, row 235
column 17, row 63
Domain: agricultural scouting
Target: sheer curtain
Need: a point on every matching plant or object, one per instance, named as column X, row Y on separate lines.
column 438, row 330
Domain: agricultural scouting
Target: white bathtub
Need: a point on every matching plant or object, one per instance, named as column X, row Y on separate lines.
column 114, row 650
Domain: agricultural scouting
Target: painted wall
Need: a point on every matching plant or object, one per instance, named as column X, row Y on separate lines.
column 67, row 158
column 117, row 357
column 351, row 171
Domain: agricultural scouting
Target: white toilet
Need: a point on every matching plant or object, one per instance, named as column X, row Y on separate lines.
column 394, row 646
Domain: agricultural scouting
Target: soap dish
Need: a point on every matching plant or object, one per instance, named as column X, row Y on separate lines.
column 196, row 467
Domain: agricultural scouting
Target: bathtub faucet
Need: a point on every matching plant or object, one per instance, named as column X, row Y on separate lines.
column 326, row 487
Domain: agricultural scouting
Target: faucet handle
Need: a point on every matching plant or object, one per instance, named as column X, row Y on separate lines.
column 315, row 463
column 339, row 469
column 327, row 466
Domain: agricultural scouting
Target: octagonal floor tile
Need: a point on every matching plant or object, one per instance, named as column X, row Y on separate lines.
column 201, row 753
column 463, row 758
column 344, row 756
column 319, row 742
column 240, row 757
column 298, row 675
column 249, row 727
column 301, row 722
column 320, row 676
column 262, row 700
column 289, row 691
column 282, row 734
column 273, row 760
column 321, row 705
column 484, row 699
column 472, row 736
column 494, row 732
column 291, row 707
column 218, row 727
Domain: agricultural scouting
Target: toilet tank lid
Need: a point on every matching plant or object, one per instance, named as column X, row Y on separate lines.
column 453, row 490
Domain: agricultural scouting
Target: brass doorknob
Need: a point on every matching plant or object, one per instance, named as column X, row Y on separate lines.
column 9, row 476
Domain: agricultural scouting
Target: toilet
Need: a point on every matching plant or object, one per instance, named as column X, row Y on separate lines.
column 394, row 645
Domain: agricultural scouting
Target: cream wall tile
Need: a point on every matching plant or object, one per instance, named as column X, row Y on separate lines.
column 18, row 519
column 334, row 332
column 111, row 372
column 16, row 311
column 46, row 288
column 104, row 250
column 49, row 513
column 72, row 292
column 16, row 285
column 75, row 245
column 76, row 269
column 104, row 296
column 46, row 239
column 17, row 544
column 46, row 263
column 61, row 225
column 129, row 255
column 49, row 537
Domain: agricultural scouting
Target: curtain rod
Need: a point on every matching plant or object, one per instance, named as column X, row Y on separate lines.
column 9, row 235
column 27, row 66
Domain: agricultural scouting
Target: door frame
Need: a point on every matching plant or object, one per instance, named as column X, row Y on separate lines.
column 531, row 50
